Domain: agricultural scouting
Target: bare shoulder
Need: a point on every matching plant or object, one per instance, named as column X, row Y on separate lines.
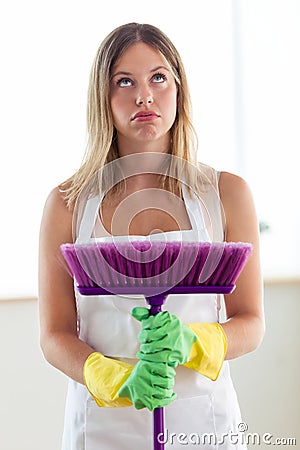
column 57, row 216
column 232, row 185
column 234, row 191
column 238, row 204
column 56, row 203
column 56, row 200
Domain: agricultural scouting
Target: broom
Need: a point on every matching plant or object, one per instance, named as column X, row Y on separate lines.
column 156, row 269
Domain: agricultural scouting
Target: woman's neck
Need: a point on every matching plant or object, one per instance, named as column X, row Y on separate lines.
column 128, row 146
column 142, row 181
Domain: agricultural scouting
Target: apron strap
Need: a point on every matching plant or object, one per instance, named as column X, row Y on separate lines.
column 89, row 219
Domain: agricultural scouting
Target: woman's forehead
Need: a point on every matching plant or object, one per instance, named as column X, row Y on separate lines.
column 140, row 56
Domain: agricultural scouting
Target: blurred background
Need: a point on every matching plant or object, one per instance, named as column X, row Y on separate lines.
column 243, row 65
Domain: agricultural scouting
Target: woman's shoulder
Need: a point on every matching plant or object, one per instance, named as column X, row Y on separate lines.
column 56, row 209
column 57, row 217
column 226, row 181
column 237, row 202
column 233, row 186
column 56, row 199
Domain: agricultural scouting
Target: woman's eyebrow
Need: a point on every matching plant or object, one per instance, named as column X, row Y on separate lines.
column 123, row 72
column 158, row 68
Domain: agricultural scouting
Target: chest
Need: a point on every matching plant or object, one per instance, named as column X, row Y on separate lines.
column 144, row 212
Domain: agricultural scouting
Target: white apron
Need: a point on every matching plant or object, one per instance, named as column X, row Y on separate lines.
column 205, row 412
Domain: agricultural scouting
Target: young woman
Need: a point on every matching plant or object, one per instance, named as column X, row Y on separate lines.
column 140, row 178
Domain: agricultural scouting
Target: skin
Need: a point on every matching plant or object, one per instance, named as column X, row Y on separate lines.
column 141, row 90
column 142, row 81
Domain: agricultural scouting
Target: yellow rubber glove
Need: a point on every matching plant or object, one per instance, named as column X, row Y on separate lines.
column 209, row 350
column 104, row 377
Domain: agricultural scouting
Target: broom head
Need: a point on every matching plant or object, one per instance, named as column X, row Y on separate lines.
column 143, row 267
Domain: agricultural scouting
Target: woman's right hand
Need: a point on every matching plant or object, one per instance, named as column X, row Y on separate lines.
column 150, row 385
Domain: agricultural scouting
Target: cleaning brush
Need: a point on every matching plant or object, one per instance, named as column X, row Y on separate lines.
column 156, row 269
column 133, row 267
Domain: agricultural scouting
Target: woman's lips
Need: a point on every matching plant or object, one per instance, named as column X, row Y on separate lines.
column 144, row 116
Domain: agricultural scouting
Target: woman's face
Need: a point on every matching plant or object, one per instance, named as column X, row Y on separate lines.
column 143, row 99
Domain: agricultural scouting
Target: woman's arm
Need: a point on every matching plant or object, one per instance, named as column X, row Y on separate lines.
column 244, row 326
column 58, row 321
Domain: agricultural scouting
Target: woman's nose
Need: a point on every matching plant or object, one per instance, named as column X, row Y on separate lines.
column 144, row 100
column 144, row 97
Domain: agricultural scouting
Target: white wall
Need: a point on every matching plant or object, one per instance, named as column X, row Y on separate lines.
column 268, row 70
column 32, row 393
column 267, row 380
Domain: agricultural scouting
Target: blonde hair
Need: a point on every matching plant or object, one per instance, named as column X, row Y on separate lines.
column 101, row 146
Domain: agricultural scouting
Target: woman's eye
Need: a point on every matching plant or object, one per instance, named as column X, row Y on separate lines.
column 159, row 78
column 124, row 82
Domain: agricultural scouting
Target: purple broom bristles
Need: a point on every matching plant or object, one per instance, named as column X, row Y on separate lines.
column 141, row 263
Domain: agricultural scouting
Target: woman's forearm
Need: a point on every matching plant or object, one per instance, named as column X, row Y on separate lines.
column 66, row 352
column 244, row 334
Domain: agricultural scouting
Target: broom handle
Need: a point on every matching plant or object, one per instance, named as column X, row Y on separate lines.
column 158, row 429
column 156, row 303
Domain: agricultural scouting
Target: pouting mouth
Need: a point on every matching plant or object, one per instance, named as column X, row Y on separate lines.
column 145, row 114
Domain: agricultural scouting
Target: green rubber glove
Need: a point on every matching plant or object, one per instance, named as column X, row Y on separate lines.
column 150, row 385
column 164, row 338
column 198, row 346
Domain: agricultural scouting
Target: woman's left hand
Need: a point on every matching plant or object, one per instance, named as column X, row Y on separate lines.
column 164, row 338
column 198, row 346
